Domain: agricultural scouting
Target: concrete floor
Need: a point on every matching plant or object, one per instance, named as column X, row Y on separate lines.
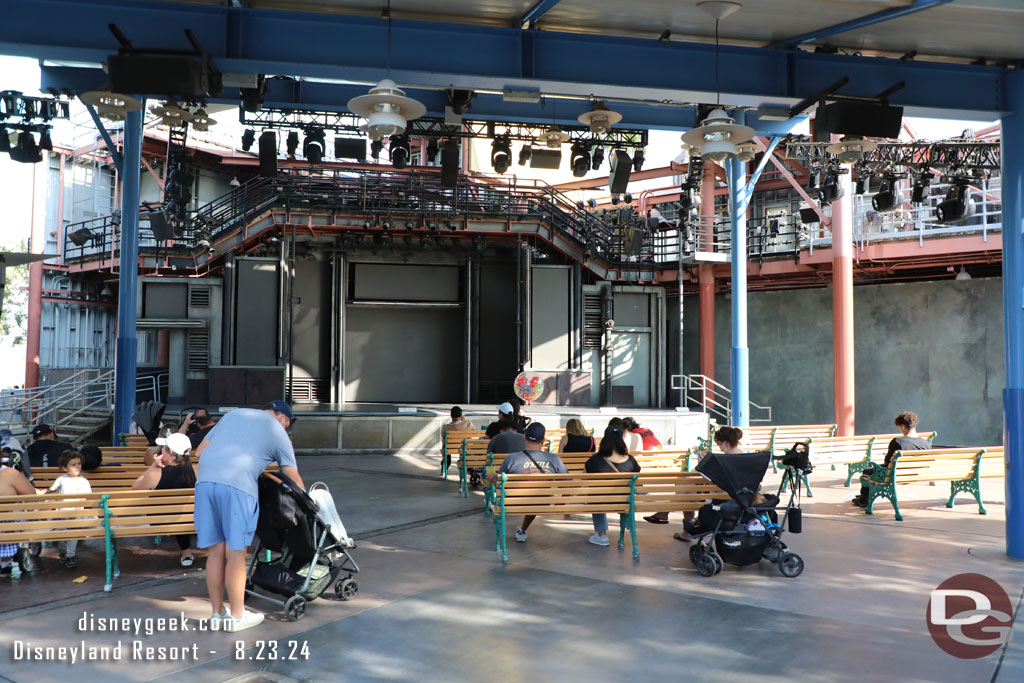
column 436, row 603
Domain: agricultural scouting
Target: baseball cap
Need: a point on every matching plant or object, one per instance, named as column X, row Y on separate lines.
column 534, row 432
column 506, row 408
column 41, row 429
column 280, row 407
column 178, row 443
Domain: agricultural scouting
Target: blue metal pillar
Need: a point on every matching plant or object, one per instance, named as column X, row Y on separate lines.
column 1013, row 310
column 739, row 366
column 127, row 341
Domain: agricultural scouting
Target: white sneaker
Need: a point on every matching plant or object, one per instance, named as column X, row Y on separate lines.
column 217, row 620
column 597, row 539
column 520, row 536
column 247, row 620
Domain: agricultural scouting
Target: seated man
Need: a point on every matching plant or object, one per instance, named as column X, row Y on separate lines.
column 906, row 422
column 196, row 426
column 532, row 460
column 45, row 450
column 508, row 440
column 12, row 483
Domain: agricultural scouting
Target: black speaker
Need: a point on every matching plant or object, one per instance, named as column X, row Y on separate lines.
column 809, row 216
column 173, row 76
column 545, row 158
column 857, row 118
column 450, row 163
column 268, row 154
column 161, row 226
column 350, row 148
column 621, row 166
column 632, row 241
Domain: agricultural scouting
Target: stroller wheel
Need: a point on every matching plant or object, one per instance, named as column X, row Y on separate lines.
column 719, row 564
column 346, row 589
column 295, row 607
column 791, row 565
column 695, row 552
column 474, row 479
column 773, row 552
column 706, row 565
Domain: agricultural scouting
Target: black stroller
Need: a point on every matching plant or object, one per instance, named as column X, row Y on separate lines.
column 301, row 547
column 739, row 532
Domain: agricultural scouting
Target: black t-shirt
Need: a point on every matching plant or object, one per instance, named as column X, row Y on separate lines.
column 177, row 477
column 197, row 436
column 494, row 428
column 598, row 464
column 46, row 452
column 905, row 443
column 577, row 443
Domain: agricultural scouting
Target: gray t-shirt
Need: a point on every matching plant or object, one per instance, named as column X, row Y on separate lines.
column 242, row 445
column 520, row 463
column 507, row 442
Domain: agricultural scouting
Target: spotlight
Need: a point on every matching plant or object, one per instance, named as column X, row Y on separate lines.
column 685, row 200
column 5, row 140
column 375, row 147
column 958, row 205
column 44, row 140
column 615, row 200
column 638, row 160
column 432, row 150
column 81, row 237
column 628, row 198
column 920, row 190
column 812, row 180
column 501, row 154
column 398, row 150
column 292, row 143
column 26, row 151
column 367, row 224
column 248, row 138
column 525, row 152
column 460, row 100
column 861, row 185
column 580, row 205
column 314, row 145
column 579, row 159
column 888, row 196
column 385, row 225
column 830, row 189
column 591, row 203
column 597, row 158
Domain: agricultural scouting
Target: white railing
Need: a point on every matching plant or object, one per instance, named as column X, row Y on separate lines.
column 706, row 395
column 60, row 403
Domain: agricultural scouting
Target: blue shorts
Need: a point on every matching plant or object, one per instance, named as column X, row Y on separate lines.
column 223, row 513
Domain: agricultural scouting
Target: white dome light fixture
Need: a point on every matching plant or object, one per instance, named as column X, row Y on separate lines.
column 171, row 114
column 850, row 150
column 111, row 105
column 553, row 137
column 718, row 136
column 386, row 109
column 600, row 118
column 746, row 151
column 202, row 121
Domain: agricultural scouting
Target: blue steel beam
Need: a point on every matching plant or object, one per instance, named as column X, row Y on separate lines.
column 861, row 22
column 534, row 14
column 739, row 356
column 490, row 58
column 111, row 147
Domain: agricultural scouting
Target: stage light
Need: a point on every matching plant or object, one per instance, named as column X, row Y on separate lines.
column 386, row 109
column 314, row 145
column 375, row 148
column 248, row 138
column 920, row 190
column 460, row 100
column 525, row 152
column 830, row 189
column 5, row 140
column 501, row 154
column 398, row 150
column 958, row 205
column 888, row 196
column 580, row 205
column 628, row 198
column 812, row 180
column 597, row 158
column 26, row 151
column 638, row 160
column 861, row 185
column 591, row 203
column 432, row 149
column 81, row 237
column 292, row 143
column 44, row 140
column 579, row 159
column 615, row 200
column 686, row 200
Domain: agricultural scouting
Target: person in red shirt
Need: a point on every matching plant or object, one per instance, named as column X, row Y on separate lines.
column 640, row 438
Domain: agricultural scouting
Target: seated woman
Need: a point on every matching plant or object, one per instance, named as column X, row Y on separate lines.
column 728, row 441
column 639, row 438
column 172, row 469
column 576, row 439
column 613, row 457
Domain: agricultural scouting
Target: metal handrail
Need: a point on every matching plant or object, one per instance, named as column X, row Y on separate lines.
column 714, row 398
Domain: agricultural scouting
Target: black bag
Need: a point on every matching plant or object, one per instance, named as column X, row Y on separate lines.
column 798, row 457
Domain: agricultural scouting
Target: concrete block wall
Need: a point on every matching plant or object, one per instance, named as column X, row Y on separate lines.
column 932, row 347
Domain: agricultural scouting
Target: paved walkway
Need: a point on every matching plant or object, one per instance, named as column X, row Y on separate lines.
column 436, row 603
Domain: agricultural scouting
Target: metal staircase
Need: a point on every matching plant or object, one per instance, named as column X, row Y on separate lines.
column 704, row 394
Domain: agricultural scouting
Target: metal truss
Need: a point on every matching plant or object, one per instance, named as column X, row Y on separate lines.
column 946, row 154
column 32, row 113
column 431, row 127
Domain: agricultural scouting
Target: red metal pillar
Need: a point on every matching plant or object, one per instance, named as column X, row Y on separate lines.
column 842, row 309
column 35, row 271
column 706, row 274
column 163, row 349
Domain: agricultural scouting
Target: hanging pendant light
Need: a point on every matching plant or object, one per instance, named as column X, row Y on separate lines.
column 718, row 136
column 171, row 115
column 201, row 120
column 600, row 118
column 110, row 105
column 553, row 137
column 851, row 149
column 746, row 151
column 386, row 109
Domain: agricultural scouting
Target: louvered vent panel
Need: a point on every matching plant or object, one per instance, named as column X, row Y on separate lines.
column 198, row 349
column 593, row 326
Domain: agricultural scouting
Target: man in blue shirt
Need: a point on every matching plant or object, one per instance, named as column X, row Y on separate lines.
column 231, row 459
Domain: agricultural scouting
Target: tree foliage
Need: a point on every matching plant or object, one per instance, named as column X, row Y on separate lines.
column 14, row 316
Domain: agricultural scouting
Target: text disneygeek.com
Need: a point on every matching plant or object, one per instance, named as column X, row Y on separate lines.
column 139, row 650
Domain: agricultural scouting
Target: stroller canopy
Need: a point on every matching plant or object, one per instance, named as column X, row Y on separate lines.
column 738, row 475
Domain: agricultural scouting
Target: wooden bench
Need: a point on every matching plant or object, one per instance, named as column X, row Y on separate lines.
column 137, row 440
column 474, row 454
column 453, row 441
column 564, row 494
column 856, row 452
column 667, row 491
column 103, row 479
column 963, row 468
column 107, row 515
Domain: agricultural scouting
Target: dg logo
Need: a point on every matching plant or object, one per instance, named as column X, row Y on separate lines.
column 969, row 616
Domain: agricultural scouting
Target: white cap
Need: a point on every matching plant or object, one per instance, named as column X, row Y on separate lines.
column 178, row 443
column 506, row 408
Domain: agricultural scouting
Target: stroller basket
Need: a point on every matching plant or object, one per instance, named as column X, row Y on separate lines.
column 276, row 578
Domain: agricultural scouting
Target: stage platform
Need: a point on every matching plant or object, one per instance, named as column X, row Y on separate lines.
column 416, row 427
